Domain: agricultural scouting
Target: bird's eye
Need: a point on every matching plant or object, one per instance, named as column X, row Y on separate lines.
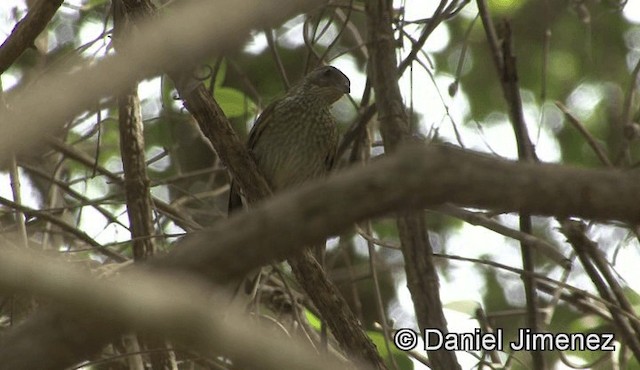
column 327, row 72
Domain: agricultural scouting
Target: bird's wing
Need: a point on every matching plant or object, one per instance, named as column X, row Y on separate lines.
column 235, row 201
column 260, row 125
column 332, row 155
column 330, row 160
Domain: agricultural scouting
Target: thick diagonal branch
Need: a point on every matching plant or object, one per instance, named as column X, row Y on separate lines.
column 331, row 206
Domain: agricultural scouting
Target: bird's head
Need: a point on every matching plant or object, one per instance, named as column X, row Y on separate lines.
column 326, row 83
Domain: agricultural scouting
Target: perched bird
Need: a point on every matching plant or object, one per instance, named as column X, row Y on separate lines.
column 295, row 138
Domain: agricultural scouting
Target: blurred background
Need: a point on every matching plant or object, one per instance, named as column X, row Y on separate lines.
column 578, row 55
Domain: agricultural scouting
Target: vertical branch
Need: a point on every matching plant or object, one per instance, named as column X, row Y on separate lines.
column 136, row 180
column 505, row 63
column 511, row 90
column 422, row 278
column 623, row 155
column 526, row 153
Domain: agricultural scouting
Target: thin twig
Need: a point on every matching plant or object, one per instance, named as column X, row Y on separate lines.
column 382, row 315
column 65, row 227
column 180, row 219
column 574, row 232
column 479, row 219
column 276, row 57
column 505, row 63
column 593, row 143
column 626, row 111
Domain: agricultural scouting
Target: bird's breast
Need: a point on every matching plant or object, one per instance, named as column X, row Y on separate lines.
column 296, row 145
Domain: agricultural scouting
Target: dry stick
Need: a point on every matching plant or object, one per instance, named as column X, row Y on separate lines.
column 461, row 62
column 505, row 63
column 422, row 277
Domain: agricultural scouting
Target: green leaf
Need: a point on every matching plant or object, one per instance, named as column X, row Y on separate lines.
column 401, row 359
column 313, row 320
column 234, row 103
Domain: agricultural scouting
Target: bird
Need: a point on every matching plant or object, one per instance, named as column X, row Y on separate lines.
column 295, row 138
